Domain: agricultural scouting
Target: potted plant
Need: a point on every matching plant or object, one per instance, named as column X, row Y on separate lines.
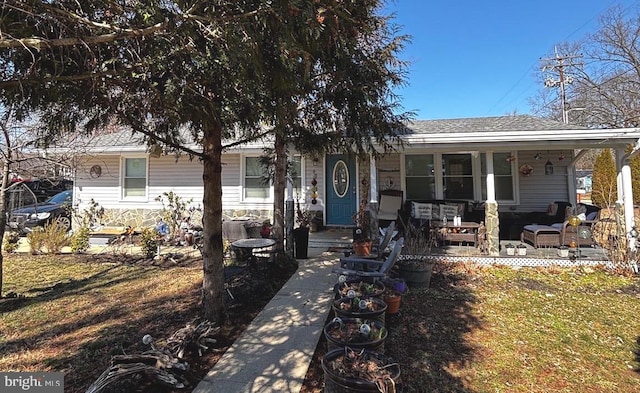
column 522, row 249
column 392, row 295
column 348, row 370
column 414, row 264
column 563, row 251
column 511, row 249
column 355, row 334
column 361, row 288
column 361, row 232
column 371, row 308
column 301, row 233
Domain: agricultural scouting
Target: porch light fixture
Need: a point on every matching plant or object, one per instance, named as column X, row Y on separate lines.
column 548, row 168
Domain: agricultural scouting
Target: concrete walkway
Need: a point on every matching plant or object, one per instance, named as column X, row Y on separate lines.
column 274, row 352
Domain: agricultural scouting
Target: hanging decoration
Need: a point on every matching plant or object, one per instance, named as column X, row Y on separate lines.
column 561, row 157
column 511, row 158
column 537, row 156
column 526, row 170
column 314, row 189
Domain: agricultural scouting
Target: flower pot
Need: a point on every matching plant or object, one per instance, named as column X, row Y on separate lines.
column 563, row 252
column 511, row 251
column 416, row 273
column 301, row 242
column 339, row 377
column 393, row 304
column 362, row 288
column 347, row 333
column 362, row 248
column 374, row 309
column 522, row 251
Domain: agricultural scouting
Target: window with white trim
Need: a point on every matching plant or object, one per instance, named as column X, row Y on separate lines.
column 134, row 177
column 462, row 176
column 420, row 180
column 503, row 171
column 255, row 174
column 457, row 176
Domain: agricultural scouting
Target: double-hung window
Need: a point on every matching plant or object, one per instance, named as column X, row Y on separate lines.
column 461, row 176
column 255, row 185
column 134, row 178
column 420, row 177
column 503, row 170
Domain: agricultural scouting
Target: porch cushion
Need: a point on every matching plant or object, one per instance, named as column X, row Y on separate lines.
column 449, row 210
column 422, row 211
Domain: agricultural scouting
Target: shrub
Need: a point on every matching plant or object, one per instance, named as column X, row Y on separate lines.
column 55, row 238
column 149, row 242
column 36, row 240
column 10, row 242
column 604, row 187
column 80, row 240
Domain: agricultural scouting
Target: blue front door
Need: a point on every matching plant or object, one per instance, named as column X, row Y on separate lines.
column 341, row 189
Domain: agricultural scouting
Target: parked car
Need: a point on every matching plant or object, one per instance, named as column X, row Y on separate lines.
column 56, row 209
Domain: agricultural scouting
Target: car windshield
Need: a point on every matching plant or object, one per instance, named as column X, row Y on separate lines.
column 60, row 198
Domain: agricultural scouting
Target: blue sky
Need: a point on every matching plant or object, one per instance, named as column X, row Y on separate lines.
column 473, row 58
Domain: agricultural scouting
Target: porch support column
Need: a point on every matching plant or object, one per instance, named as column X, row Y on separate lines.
column 625, row 196
column 627, row 193
column 492, row 220
column 373, row 200
column 288, row 218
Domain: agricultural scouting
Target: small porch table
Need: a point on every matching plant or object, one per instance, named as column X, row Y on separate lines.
column 465, row 232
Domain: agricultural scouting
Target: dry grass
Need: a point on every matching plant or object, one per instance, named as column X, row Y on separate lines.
column 72, row 313
column 510, row 330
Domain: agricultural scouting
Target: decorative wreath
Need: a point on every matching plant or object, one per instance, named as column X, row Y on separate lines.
column 526, row 170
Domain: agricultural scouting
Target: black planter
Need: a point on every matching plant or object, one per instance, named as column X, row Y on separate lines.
column 355, row 340
column 335, row 382
column 301, row 242
column 344, row 308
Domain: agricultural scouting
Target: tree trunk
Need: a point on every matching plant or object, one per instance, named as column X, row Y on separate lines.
column 3, row 199
column 279, row 187
column 212, row 250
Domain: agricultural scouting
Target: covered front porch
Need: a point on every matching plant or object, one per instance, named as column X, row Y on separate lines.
column 509, row 172
column 338, row 240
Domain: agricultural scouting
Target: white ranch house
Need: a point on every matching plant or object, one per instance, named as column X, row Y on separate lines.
column 497, row 160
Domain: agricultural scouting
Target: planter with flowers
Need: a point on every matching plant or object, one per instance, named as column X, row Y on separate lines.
column 394, row 289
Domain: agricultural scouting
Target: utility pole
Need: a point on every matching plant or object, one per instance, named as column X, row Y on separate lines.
column 559, row 67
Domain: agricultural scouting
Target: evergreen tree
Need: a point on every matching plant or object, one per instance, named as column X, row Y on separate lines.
column 185, row 74
column 604, row 185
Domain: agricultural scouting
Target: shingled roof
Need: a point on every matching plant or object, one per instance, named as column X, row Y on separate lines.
column 486, row 124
